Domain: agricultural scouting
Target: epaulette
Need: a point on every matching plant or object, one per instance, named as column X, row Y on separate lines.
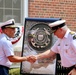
column 73, row 34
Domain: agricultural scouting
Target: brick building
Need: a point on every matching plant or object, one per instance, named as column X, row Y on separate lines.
column 19, row 9
column 65, row 9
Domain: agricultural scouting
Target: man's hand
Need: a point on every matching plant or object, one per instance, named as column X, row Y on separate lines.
column 31, row 58
column 72, row 72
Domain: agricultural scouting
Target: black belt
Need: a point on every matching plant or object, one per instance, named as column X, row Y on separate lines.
column 70, row 67
column 60, row 70
column 4, row 66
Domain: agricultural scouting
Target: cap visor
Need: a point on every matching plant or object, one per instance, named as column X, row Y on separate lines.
column 12, row 26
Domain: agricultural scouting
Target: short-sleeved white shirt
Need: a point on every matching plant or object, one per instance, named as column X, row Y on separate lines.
column 6, row 49
column 66, row 47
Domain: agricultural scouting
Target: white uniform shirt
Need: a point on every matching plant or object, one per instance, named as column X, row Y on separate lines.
column 66, row 47
column 6, row 49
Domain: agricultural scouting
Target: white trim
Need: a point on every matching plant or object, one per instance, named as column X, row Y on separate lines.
column 24, row 11
column 25, row 8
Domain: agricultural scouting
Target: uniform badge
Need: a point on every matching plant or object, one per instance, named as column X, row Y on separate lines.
column 58, row 44
column 66, row 51
column 66, row 44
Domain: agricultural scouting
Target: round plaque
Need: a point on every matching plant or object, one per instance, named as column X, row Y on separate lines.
column 40, row 37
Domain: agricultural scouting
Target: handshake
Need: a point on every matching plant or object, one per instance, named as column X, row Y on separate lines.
column 31, row 58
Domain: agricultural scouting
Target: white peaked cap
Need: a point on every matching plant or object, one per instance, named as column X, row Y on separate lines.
column 57, row 24
column 10, row 23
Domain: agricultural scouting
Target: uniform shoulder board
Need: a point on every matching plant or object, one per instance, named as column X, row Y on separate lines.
column 73, row 34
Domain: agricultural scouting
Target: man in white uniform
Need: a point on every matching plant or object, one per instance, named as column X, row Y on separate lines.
column 6, row 49
column 65, row 46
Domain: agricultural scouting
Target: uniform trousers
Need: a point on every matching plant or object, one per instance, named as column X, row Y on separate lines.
column 64, row 70
column 4, row 70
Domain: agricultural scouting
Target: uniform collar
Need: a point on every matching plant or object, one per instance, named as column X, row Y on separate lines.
column 8, row 38
column 66, row 34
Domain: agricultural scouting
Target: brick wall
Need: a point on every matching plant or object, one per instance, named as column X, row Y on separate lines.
column 65, row 9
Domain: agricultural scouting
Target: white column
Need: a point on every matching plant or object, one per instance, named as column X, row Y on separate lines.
column 26, row 8
column 24, row 11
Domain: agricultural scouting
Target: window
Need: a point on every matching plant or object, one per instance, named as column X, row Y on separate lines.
column 10, row 9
